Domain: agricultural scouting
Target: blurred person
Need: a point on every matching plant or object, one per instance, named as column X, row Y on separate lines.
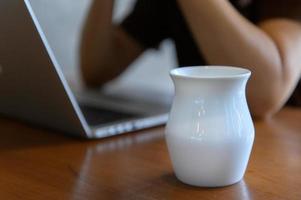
column 261, row 35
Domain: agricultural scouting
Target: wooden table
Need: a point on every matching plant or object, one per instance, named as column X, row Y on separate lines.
column 40, row 164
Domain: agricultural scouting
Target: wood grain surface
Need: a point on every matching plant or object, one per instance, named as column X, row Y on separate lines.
column 43, row 164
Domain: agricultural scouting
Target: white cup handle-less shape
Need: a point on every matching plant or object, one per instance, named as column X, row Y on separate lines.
column 210, row 132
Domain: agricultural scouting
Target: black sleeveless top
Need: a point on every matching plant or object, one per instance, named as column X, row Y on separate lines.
column 153, row 21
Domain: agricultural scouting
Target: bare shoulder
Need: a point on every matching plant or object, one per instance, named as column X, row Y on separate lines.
column 281, row 19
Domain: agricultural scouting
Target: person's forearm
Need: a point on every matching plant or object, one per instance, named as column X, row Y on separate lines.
column 97, row 37
column 225, row 37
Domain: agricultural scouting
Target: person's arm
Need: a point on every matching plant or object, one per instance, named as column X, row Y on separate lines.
column 270, row 50
column 106, row 50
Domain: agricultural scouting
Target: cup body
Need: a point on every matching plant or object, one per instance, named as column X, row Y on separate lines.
column 210, row 132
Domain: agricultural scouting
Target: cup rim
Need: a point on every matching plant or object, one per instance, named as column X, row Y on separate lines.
column 198, row 72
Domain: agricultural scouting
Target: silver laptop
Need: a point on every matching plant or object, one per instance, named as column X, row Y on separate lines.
column 33, row 87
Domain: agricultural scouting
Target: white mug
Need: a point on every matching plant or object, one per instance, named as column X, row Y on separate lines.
column 210, row 132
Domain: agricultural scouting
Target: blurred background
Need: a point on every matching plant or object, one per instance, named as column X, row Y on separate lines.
column 62, row 21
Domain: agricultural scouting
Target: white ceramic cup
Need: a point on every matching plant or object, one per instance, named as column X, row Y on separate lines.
column 210, row 132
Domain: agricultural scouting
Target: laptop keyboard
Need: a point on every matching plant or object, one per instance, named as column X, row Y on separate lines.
column 97, row 116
